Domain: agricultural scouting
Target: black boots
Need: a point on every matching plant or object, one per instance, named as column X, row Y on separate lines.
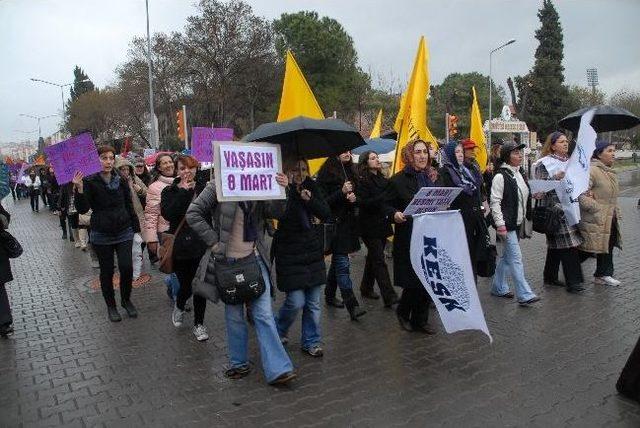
column 350, row 301
column 131, row 310
column 114, row 316
column 334, row 301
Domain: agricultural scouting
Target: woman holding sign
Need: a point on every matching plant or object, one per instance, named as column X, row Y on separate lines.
column 113, row 223
column 562, row 245
column 413, row 308
column 299, row 257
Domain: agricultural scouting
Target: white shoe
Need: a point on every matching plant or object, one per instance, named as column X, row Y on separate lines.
column 77, row 244
column 608, row 280
column 200, row 332
column 177, row 317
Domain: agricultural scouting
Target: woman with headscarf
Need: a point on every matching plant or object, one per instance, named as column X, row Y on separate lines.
column 454, row 173
column 562, row 245
column 600, row 213
column 113, row 224
column 413, row 307
column 338, row 180
column 510, row 205
column 299, row 257
column 375, row 228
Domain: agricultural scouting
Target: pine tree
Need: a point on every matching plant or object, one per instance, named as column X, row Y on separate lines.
column 543, row 96
column 81, row 84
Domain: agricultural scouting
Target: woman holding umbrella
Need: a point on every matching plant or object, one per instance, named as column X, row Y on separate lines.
column 338, row 179
column 413, row 308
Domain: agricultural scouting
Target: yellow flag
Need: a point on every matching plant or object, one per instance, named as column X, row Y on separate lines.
column 476, row 132
column 298, row 100
column 377, row 127
column 40, row 160
column 398, row 122
column 414, row 115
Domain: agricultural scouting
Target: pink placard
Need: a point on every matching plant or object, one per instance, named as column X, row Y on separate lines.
column 75, row 154
column 201, row 139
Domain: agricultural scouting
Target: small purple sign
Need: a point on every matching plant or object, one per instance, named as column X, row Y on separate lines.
column 75, row 154
column 201, row 139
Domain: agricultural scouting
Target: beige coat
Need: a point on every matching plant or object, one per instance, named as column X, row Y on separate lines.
column 135, row 195
column 597, row 209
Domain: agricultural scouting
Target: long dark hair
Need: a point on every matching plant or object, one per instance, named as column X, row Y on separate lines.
column 156, row 169
column 363, row 165
column 334, row 170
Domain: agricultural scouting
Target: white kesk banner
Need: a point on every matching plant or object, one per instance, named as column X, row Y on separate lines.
column 440, row 258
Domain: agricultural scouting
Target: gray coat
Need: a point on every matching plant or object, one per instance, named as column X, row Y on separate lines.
column 213, row 220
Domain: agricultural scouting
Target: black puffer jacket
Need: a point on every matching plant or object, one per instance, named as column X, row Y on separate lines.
column 372, row 193
column 112, row 208
column 297, row 247
column 5, row 265
column 331, row 178
column 174, row 203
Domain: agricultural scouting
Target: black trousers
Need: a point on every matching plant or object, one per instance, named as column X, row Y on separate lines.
column 185, row 271
column 44, row 194
column 604, row 262
column 13, row 193
column 414, row 306
column 571, row 268
column 5, row 307
column 34, row 193
column 375, row 269
column 125, row 265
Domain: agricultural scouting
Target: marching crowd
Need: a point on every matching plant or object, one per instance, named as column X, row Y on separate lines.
column 231, row 251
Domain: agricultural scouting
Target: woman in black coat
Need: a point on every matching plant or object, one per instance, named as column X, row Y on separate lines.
column 338, row 180
column 188, row 248
column 299, row 257
column 454, row 173
column 413, row 307
column 6, row 320
column 375, row 228
column 113, row 223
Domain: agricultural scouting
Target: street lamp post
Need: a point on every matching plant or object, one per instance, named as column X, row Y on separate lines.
column 491, row 82
column 152, row 128
column 61, row 86
column 38, row 118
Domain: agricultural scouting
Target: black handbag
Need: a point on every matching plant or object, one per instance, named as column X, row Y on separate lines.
column 326, row 233
column 486, row 267
column 11, row 246
column 239, row 281
column 545, row 220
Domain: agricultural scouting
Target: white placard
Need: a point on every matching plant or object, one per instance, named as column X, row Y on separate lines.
column 247, row 171
column 430, row 199
column 440, row 259
column 545, row 186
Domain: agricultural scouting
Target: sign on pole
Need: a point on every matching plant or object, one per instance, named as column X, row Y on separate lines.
column 75, row 154
column 440, row 259
column 431, row 199
column 247, row 171
column 202, row 137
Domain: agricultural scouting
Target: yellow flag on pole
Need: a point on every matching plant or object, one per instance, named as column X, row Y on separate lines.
column 476, row 132
column 398, row 122
column 377, row 127
column 298, row 100
column 414, row 115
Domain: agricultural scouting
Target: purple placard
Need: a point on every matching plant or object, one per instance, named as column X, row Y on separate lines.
column 201, row 139
column 75, row 154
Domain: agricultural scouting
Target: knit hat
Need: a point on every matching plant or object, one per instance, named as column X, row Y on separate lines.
column 600, row 146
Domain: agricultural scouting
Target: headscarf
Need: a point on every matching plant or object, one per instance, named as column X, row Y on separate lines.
column 460, row 174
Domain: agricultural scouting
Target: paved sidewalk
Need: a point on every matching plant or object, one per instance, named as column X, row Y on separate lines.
column 555, row 364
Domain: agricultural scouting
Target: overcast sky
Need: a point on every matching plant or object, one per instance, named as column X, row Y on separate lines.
column 47, row 38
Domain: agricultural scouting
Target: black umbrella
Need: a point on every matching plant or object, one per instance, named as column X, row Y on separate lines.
column 309, row 138
column 606, row 118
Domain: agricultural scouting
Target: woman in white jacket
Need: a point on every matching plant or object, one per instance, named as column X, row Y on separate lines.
column 32, row 181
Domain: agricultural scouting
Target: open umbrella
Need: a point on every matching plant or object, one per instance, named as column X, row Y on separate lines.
column 151, row 159
column 378, row 145
column 606, row 118
column 309, row 138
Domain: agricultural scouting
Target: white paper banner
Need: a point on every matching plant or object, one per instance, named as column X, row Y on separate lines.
column 431, row 199
column 247, row 171
column 544, row 185
column 440, row 258
column 576, row 180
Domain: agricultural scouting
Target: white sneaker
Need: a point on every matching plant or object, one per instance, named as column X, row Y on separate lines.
column 177, row 317
column 77, row 244
column 608, row 280
column 200, row 332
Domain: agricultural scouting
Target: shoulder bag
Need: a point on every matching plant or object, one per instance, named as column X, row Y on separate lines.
column 165, row 251
column 545, row 220
column 240, row 280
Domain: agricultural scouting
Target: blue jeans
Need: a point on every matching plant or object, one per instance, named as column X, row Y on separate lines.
column 309, row 301
column 510, row 261
column 275, row 360
column 173, row 285
column 338, row 275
